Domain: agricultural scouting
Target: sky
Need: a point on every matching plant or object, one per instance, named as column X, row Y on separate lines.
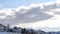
column 36, row 14
column 16, row 3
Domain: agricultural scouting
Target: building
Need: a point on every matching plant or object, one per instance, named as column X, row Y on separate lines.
column 3, row 28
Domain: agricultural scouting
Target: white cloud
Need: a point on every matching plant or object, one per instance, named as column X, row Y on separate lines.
column 6, row 12
column 58, row 1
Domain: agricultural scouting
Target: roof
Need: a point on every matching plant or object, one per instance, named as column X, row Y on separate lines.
column 3, row 26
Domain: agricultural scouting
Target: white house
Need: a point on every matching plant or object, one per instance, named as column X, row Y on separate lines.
column 3, row 28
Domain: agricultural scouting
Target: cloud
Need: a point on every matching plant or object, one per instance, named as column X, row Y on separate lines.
column 30, row 14
column 57, row 1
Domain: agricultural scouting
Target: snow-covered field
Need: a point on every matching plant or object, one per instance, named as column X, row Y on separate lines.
column 8, row 33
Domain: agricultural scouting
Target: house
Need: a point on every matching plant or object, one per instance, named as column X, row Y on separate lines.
column 3, row 28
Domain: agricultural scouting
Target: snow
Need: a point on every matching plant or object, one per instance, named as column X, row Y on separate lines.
column 8, row 33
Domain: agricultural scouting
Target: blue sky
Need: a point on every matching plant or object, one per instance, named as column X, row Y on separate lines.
column 16, row 3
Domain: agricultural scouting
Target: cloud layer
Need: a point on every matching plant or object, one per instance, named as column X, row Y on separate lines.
column 41, row 15
column 22, row 14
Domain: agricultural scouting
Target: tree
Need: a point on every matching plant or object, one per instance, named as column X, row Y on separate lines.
column 23, row 31
column 15, row 27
